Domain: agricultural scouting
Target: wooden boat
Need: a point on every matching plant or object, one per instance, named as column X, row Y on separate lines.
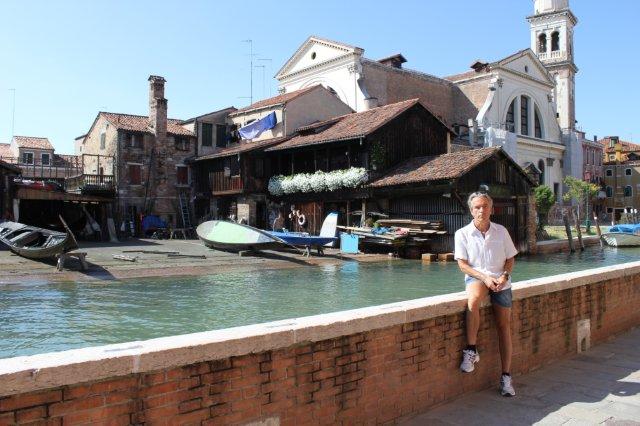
column 35, row 243
column 234, row 236
column 302, row 239
column 623, row 236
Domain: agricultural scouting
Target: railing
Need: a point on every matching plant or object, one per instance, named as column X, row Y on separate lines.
column 54, row 169
column 221, row 183
column 84, row 183
column 556, row 54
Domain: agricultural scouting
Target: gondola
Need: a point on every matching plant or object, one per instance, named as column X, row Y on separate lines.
column 35, row 243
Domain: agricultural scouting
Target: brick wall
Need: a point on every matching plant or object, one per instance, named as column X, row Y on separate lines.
column 379, row 374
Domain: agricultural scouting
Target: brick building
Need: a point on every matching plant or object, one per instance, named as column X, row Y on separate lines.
column 147, row 157
column 37, row 160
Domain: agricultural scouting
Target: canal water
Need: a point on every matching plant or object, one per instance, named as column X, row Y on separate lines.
column 37, row 317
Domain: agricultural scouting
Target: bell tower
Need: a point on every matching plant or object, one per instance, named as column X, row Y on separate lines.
column 552, row 41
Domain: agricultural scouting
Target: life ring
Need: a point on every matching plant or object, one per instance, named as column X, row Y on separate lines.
column 301, row 219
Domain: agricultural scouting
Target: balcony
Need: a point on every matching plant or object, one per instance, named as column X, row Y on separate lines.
column 222, row 184
column 87, row 183
column 52, row 170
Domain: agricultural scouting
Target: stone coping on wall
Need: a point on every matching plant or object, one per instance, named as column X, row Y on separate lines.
column 30, row 373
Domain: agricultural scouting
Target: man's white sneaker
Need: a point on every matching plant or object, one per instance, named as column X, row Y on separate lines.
column 506, row 387
column 469, row 358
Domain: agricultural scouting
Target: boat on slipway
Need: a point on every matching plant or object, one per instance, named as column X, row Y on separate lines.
column 35, row 243
column 224, row 235
column 623, row 236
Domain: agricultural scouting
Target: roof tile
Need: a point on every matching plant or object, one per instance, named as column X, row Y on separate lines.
column 33, row 142
column 140, row 123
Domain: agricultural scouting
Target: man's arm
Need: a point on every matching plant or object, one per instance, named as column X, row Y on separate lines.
column 489, row 281
column 508, row 267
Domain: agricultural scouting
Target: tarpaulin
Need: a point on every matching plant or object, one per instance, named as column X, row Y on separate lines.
column 256, row 128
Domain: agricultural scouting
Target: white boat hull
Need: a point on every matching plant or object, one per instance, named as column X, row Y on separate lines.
column 621, row 239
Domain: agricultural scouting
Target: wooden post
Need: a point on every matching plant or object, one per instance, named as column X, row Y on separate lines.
column 598, row 231
column 578, row 230
column 567, row 229
column 363, row 218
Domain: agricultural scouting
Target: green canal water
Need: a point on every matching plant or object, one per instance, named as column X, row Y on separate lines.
column 37, row 317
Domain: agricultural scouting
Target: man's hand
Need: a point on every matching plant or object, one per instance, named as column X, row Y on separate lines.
column 490, row 282
column 501, row 282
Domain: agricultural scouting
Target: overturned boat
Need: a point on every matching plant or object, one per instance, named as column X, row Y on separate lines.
column 623, row 236
column 35, row 243
column 235, row 236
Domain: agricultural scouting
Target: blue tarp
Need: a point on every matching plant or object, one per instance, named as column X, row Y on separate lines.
column 630, row 229
column 152, row 222
column 254, row 129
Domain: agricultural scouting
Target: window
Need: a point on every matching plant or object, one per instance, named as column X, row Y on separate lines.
column 612, row 157
column 135, row 174
column 134, row 140
column 609, row 209
column 221, row 135
column 609, row 172
column 182, row 175
column 542, row 43
column 627, row 172
column 231, row 166
column 555, row 41
column 207, row 134
column 510, row 121
column 103, row 139
column 537, row 124
column 46, row 159
column 609, row 191
column 628, row 191
column 556, row 190
column 181, row 143
column 524, row 115
column 550, row 161
column 27, row 158
column 541, row 168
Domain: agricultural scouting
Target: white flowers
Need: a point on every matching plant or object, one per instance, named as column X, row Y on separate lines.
column 317, row 182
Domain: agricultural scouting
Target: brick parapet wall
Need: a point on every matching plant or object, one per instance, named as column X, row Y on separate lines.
column 372, row 365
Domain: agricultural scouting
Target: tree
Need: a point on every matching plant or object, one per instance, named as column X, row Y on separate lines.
column 581, row 192
column 545, row 199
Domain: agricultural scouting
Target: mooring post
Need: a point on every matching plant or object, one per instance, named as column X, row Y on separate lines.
column 578, row 230
column 567, row 229
column 598, row 231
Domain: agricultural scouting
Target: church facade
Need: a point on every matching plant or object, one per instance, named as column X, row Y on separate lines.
column 524, row 103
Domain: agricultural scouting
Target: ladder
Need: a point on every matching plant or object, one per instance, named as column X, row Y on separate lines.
column 184, row 210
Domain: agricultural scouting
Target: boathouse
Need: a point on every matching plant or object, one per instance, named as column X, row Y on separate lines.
column 437, row 187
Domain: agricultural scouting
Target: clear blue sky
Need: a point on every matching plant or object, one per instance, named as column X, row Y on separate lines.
column 67, row 60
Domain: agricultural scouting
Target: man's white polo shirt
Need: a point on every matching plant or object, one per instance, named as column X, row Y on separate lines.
column 485, row 254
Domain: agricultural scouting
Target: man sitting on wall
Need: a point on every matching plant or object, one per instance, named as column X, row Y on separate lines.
column 485, row 253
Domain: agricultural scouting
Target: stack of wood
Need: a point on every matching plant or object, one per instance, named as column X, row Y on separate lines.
column 418, row 231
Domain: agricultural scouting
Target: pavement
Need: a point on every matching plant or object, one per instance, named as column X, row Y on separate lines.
column 598, row 387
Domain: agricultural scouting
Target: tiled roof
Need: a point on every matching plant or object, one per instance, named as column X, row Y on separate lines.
column 348, row 126
column 5, row 150
column 241, row 147
column 626, row 146
column 442, row 167
column 140, row 123
column 276, row 100
column 33, row 142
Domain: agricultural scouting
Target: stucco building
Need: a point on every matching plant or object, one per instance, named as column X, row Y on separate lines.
column 146, row 156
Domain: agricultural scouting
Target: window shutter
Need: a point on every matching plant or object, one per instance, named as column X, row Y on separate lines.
column 182, row 175
column 207, row 134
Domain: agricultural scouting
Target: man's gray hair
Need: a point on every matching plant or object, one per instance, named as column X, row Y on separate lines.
column 475, row 195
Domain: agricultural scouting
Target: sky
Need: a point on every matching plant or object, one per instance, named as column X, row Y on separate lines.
column 63, row 61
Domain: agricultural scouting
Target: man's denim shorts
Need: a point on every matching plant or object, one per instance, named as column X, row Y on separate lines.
column 502, row 298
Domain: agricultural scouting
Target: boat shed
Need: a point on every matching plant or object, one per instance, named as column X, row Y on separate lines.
column 7, row 173
column 436, row 188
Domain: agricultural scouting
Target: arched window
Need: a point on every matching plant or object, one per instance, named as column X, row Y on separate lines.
column 541, row 168
column 511, row 118
column 555, row 41
column 609, row 192
column 537, row 124
column 542, row 43
column 524, row 115
column 628, row 191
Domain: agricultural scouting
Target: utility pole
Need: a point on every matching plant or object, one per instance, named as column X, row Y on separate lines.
column 270, row 69
column 264, row 95
column 250, row 67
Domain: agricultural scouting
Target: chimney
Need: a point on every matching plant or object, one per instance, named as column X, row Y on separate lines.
column 394, row 61
column 595, row 138
column 157, row 108
column 370, row 103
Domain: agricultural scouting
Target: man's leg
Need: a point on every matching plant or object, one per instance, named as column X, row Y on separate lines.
column 476, row 292
column 503, row 321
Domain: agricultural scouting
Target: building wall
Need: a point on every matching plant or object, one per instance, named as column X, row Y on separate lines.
column 378, row 364
column 618, row 180
column 317, row 105
column 243, row 118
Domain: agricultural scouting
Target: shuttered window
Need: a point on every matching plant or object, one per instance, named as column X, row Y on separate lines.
column 135, row 174
column 207, row 134
column 221, row 135
column 182, row 175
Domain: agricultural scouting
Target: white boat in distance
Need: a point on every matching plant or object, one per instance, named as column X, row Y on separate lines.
column 623, row 236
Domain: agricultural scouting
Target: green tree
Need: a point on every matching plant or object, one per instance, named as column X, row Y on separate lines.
column 545, row 199
column 581, row 192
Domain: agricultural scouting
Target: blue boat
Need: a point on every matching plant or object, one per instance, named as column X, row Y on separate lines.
column 303, row 239
column 623, row 236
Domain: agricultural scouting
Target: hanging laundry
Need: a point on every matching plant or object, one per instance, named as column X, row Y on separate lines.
column 255, row 129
